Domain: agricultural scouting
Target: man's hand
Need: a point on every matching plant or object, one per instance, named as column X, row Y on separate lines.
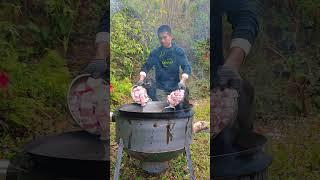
column 141, row 80
column 97, row 68
column 140, row 83
column 228, row 74
column 229, row 77
column 181, row 85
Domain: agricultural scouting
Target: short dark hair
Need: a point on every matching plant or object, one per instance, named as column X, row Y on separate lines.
column 164, row 28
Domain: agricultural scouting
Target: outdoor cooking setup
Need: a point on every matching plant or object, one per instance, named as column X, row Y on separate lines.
column 76, row 155
column 153, row 133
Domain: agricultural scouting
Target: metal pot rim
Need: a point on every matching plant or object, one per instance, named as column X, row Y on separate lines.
column 158, row 152
column 184, row 113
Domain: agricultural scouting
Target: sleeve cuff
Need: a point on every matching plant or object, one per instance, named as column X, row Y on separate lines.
column 184, row 75
column 102, row 37
column 143, row 74
column 241, row 43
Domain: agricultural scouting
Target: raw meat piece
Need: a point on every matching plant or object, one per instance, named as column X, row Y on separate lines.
column 225, row 109
column 175, row 97
column 88, row 104
column 139, row 95
column 199, row 126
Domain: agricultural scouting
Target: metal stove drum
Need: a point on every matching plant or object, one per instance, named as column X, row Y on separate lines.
column 152, row 136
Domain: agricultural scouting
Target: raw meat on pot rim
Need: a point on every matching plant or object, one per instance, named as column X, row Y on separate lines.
column 175, row 97
column 139, row 95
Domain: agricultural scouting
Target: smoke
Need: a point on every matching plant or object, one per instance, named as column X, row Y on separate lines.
column 115, row 6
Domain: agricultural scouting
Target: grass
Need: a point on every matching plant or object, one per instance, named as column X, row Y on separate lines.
column 200, row 152
column 295, row 149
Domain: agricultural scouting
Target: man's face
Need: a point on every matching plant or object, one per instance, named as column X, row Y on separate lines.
column 165, row 39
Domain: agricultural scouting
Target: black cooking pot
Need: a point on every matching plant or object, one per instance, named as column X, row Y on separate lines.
column 235, row 154
column 73, row 155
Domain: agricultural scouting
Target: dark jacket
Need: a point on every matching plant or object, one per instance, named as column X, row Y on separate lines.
column 167, row 63
column 243, row 16
column 104, row 25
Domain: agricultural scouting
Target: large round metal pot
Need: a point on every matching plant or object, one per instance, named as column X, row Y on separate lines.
column 239, row 156
column 76, row 155
column 151, row 135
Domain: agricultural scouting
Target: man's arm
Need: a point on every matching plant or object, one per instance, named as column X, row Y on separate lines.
column 147, row 66
column 185, row 66
column 243, row 15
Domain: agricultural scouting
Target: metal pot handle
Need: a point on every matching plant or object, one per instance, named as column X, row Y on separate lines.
column 115, row 114
column 168, row 108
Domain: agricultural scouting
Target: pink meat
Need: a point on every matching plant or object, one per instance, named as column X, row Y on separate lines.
column 85, row 105
column 224, row 111
column 175, row 97
column 139, row 95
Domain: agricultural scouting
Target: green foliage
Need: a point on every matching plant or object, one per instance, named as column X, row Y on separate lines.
column 127, row 45
column 199, row 85
column 35, row 91
column 121, row 91
column 36, row 95
column 61, row 14
column 295, row 156
column 200, row 50
column 34, row 36
column 129, row 51
column 309, row 8
column 49, row 28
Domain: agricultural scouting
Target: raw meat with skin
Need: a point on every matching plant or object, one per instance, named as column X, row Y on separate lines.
column 224, row 109
column 139, row 95
column 199, row 126
column 88, row 104
column 175, row 97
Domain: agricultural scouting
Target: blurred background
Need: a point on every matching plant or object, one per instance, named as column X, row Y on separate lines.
column 284, row 67
column 43, row 45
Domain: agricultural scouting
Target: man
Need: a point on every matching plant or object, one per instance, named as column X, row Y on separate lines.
column 167, row 60
column 242, row 14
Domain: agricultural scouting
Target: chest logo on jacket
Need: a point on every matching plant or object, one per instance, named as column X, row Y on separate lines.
column 167, row 62
column 166, row 58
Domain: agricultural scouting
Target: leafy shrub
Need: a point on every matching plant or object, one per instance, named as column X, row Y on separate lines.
column 199, row 85
column 128, row 53
column 37, row 92
column 61, row 15
column 34, row 36
column 121, row 91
